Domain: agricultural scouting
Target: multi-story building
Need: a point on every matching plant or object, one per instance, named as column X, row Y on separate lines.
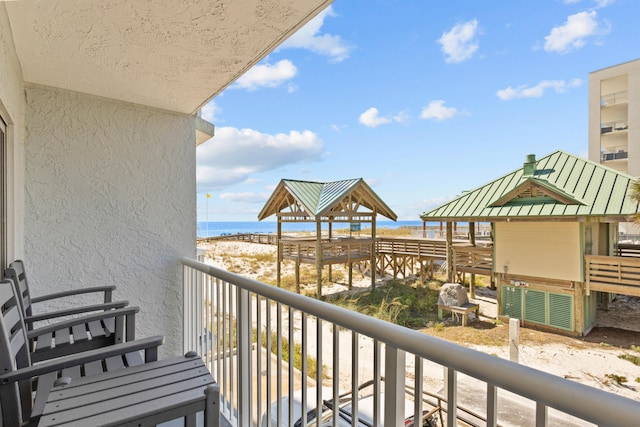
column 614, row 117
column 614, row 123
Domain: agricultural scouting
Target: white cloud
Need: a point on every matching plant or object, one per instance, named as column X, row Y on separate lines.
column 604, row 3
column 370, row 118
column 210, row 112
column 573, row 33
column 235, row 154
column 437, row 111
column 459, row 44
column 247, row 197
column 599, row 3
column 309, row 37
column 267, row 75
column 559, row 86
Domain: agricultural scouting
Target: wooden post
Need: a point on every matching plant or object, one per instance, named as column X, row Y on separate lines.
column 472, row 240
column 318, row 258
column 330, row 236
column 298, row 270
column 279, row 254
column 424, row 229
column 373, row 249
column 449, row 252
column 578, row 310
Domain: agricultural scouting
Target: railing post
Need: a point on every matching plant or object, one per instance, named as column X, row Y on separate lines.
column 451, row 387
column 243, row 356
column 394, row 386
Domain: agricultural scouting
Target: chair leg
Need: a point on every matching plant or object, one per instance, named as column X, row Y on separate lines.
column 212, row 408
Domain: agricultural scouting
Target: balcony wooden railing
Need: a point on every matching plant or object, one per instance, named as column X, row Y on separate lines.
column 612, row 274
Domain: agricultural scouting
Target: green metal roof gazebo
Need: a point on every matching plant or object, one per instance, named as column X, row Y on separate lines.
column 347, row 201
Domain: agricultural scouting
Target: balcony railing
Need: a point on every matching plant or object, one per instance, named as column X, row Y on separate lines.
column 227, row 316
column 607, row 156
column 614, row 98
column 617, row 126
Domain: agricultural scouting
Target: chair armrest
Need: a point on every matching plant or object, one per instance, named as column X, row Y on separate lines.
column 83, row 319
column 151, row 343
column 75, row 310
column 80, row 291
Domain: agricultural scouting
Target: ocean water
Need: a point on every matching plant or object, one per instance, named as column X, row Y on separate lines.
column 218, row 228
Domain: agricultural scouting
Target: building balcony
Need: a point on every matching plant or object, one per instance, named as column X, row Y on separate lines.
column 247, row 331
column 614, row 99
column 614, row 127
column 607, row 156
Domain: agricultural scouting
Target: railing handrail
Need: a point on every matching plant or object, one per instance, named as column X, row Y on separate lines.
column 587, row 403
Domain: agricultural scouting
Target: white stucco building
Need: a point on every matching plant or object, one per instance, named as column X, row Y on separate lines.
column 614, row 117
column 99, row 132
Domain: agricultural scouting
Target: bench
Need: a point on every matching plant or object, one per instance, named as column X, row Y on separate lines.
column 463, row 310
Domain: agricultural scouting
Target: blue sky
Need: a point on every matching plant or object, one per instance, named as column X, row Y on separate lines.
column 422, row 99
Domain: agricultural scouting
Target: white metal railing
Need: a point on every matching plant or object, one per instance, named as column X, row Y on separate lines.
column 226, row 316
column 614, row 98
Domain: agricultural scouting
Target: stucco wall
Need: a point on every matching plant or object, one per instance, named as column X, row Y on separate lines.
column 539, row 249
column 110, row 198
column 12, row 110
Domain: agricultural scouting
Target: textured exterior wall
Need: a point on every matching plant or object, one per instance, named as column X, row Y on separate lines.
column 12, row 110
column 539, row 249
column 110, row 198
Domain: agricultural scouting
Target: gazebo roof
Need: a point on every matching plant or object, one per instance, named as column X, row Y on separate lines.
column 317, row 199
column 559, row 186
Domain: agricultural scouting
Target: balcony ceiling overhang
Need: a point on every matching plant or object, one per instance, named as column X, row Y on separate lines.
column 173, row 54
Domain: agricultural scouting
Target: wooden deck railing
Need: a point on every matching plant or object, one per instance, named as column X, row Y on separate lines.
column 472, row 260
column 628, row 250
column 416, row 247
column 612, row 274
column 333, row 251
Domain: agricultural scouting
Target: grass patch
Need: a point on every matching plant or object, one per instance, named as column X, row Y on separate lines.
column 618, row 379
column 411, row 305
column 312, row 366
column 631, row 358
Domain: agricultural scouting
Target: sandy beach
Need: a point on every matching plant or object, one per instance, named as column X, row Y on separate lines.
column 596, row 360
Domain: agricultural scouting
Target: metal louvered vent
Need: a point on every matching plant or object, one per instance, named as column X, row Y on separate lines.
column 530, row 192
column 512, row 302
column 561, row 311
column 535, row 307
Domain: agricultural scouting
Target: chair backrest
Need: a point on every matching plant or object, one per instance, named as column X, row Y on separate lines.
column 15, row 399
column 16, row 272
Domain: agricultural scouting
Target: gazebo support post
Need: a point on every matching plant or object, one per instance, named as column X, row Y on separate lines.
column 330, row 236
column 279, row 253
column 318, row 258
column 373, row 248
column 449, row 252
column 472, row 240
column 298, row 271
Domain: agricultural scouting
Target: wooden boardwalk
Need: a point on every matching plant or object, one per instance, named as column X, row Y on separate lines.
column 399, row 256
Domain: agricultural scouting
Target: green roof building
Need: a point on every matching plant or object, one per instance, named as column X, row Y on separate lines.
column 554, row 225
